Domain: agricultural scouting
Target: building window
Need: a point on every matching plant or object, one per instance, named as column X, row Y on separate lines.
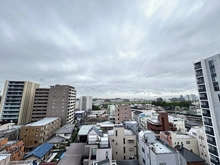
column 35, row 141
column 187, row 142
column 162, row 163
column 113, row 140
column 143, row 160
column 36, row 135
column 143, row 150
column 116, row 153
column 124, row 149
column 116, row 143
column 106, row 154
column 124, row 140
column 131, row 149
column 116, row 133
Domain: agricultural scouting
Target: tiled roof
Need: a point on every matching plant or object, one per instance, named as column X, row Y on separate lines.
column 68, row 128
column 56, row 139
column 40, row 151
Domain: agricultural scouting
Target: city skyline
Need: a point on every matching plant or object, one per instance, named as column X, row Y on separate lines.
column 108, row 49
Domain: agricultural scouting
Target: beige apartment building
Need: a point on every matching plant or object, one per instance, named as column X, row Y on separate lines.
column 17, row 101
column 61, row 103
column 39, row 132
column 39, row 110
column 122, row 113
column 123, row 142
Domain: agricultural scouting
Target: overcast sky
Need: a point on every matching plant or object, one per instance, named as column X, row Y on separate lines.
column 108, row 48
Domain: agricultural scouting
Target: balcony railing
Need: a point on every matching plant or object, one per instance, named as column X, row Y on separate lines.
column 203, row 98
column 205, row 106
column 199, row 74
column 202, row 90
column 213, row 152
column 200, row 82
column 198, row 67
column 215, row 162
column 211, row 142
column 206, row 114
column 207, row 123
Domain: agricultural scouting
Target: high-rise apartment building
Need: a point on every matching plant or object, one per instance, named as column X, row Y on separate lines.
column 85, row 103
column 17, row 101
column 61, row 103
column 207, row 72
column 40, row 104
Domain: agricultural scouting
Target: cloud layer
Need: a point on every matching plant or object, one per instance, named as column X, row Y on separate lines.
column 109, row 48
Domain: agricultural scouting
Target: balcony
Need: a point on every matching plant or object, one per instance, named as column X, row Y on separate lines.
column 202, row 90
column 214, row 152
column 215, row 162
column 205, row 106
column 203, row 98
column 199, row 74
column 208, row 123
column 198, row 66
column 200, row 82
column 206, row 114
column 211, row 142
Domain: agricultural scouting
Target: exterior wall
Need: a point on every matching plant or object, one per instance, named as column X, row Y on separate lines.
column 122, row 148
column 61, row 103
column 3, row 141
column 40, row 104
column 189, row 143
column 123, row 113
column 103, row 154
column 35, row 135
column 6, row 126
column 199, row 133
column 16, row 150
column 207, row 72
column 18, row 97
column 6, row 160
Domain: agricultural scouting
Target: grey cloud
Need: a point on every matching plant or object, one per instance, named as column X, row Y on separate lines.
column 108, row 48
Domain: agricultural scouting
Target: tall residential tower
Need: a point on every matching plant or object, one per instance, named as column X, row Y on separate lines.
column 17, row 101
column 61, row 103
column 207, row 73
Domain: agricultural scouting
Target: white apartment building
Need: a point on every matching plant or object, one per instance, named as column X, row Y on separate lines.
column 123, row 142
column 85, row 103
column 152, row 151
column 97, row 148
column 111, row 113
column 207, row 72
column 199, row 133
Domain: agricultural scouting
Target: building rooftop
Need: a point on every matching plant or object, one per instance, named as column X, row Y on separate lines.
column 68, row 128
column 21, row 162
column 73, row 155
column 84, row 130
column 184, row 136
column 4, row 156
column 44, row 121
column 127, row 132
column 40, row 151
column 160, row 148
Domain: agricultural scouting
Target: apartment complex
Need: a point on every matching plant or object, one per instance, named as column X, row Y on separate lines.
column 40, row 104
column 17, row 101
column 122, row 113
column 61, row 103
column 207, row 72
column 39, row 132
column 123, row 142
column 85, row 103
column 152, row 151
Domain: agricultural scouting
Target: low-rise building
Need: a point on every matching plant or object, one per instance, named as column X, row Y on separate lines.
column 39, row 132
column 39, row 154
column 177, row 138
column 10, row 131
column 97, row 147
column 152, row 151
column 16, row 149
column 199, row 133
column 5, row 159
column 123, row 142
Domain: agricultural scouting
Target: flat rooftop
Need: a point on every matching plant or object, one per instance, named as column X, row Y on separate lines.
column 127, row 132
column 44, row 121
column 160, row 148
column 184, row 136
column 85, row 129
